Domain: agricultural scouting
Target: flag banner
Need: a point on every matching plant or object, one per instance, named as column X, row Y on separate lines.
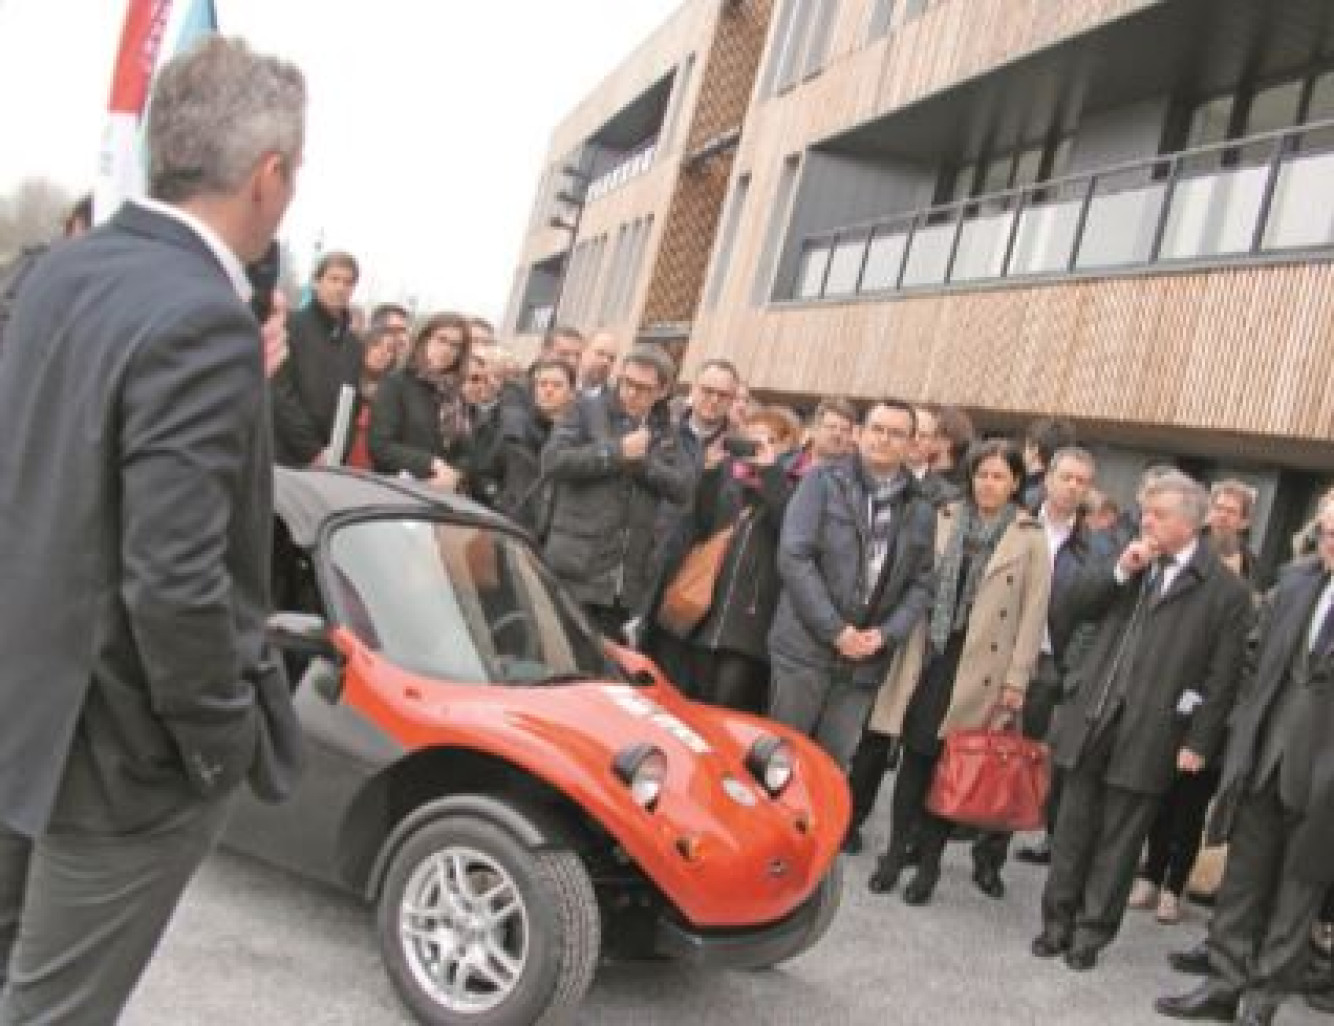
column 153, row 33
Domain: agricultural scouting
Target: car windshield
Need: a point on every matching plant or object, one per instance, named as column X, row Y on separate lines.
column 464, row 604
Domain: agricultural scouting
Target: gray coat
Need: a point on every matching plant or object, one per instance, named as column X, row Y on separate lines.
column 603, row 532
column 823, row 565
column 135, row 525
column 1306, row 780
column 1192, row 639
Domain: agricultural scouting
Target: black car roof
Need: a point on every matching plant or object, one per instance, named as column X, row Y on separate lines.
column 305, row 499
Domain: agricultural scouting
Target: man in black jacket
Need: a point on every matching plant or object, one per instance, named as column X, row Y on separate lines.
column 1275, row 804
column 324, row 355
column 1151, row 697
column 612, row 460
column 856, row 558
column 135, row 533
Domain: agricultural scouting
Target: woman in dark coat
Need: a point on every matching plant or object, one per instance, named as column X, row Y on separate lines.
column 728, row 652
column 420, row 421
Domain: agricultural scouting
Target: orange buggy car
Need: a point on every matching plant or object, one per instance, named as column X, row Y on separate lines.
column 515, row 795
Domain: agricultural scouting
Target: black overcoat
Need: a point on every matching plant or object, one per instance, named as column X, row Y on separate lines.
column 1192, row 640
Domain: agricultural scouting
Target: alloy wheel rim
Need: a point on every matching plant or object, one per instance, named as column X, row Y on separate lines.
column 463, row 926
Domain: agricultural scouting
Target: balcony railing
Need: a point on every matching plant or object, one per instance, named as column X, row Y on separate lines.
column 632, row 165
column 1264, row 195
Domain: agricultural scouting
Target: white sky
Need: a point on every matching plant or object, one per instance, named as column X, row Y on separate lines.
column 427, row 124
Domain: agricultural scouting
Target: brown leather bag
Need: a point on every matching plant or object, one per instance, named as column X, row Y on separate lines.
column 687, row 600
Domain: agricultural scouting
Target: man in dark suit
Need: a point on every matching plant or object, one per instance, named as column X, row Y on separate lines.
column 1275, row 804
column 135, row 520
column 1152, row 695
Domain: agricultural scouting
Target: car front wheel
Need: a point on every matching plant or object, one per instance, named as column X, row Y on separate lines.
column 478, row 929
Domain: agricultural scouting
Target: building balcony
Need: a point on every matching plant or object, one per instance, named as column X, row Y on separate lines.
column 1264, row 197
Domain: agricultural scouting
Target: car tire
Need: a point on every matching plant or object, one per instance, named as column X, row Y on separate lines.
column 827, row 898
column 475, row 928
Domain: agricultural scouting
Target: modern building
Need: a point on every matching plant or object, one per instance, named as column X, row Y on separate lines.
column 1118, row 211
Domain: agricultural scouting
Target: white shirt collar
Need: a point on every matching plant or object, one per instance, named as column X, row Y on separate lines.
column 1062, row 527
column 1183, row 558
column 230, row 262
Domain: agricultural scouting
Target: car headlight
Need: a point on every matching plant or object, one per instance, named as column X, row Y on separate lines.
column 643, row 768
column 771, row 762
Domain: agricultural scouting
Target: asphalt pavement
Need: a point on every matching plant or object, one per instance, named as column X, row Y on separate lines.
column 252, row 946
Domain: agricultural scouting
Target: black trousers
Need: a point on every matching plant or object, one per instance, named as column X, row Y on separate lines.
column 1040, row 705
column 1100, row 831
column 912, row 822
column 1258, row 937
column 1178, row 830
column 876, row 755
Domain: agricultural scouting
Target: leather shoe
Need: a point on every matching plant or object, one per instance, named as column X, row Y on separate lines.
column 1081, row 960
column 1210, row 1000
column 922, row 885
column 1049, row 945
column 1194, row 962
column 988, row 880
column 1036, row 854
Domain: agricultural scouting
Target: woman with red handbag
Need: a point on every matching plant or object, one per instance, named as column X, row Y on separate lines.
column 974, row 653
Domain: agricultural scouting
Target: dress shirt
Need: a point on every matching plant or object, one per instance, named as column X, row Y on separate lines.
column 230, row 262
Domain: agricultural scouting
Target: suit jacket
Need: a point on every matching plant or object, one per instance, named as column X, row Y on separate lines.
column 1192, row 638
column 1003, row 637
column 1306, row 774
column 135, row 524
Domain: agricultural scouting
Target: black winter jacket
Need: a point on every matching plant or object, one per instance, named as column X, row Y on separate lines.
column 602, row 536
column 324, row 354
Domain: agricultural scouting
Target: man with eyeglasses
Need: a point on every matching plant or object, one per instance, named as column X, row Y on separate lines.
column 1275, row 803
column 612, row 460
column 856, row 560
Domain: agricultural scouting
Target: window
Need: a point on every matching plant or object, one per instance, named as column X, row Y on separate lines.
column 1274, row 109
column 727, row 240
column 611, row 295
column 817, row 48
column 773, row 235
column 845, row 264
column 912, row 8
column 882, row 16
column 794, row 45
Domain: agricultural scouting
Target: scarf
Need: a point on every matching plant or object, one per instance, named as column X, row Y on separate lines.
column 974, row 539
column 453, row 411
column 883, row 495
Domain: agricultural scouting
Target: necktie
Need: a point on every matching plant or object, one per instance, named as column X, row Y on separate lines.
column 1157, row 579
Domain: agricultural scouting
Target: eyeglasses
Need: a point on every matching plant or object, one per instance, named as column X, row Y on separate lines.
column 637, row 387
column 893, row 434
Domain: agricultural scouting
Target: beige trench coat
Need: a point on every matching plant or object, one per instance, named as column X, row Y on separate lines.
column 1003, row 639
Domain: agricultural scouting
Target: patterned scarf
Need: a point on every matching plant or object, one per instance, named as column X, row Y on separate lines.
column 449, row 400
column 975, row 539
column 883, row 495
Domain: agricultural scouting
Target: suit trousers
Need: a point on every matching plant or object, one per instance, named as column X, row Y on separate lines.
column 82, row 912
column 1263, row 914
column 1178, row 830
column 825, row 705
column 1100, row 831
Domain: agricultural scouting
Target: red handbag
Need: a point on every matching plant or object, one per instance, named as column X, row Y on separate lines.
column 994, row 778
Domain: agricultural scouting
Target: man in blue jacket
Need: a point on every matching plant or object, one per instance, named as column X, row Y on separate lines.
column 856, row 560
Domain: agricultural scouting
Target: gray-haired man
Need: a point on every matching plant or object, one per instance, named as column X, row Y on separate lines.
column 135, row 520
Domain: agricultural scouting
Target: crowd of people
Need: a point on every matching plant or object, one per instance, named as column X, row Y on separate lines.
column 881, row 578
column 878, row 578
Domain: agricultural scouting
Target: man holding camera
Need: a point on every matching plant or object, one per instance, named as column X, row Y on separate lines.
column 856, row 559
column 612, row 460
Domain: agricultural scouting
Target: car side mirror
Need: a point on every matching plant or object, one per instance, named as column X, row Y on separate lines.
column 303, row 634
